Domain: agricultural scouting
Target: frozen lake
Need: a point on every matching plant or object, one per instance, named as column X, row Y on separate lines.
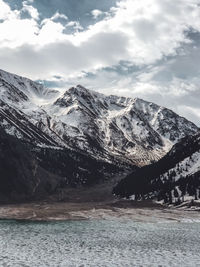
column 95, row 243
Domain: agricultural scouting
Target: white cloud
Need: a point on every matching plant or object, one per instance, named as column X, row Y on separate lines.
column 137, row 31
column 140, row 32
column 5, row 11
column 33, row 12
column 55, row 17
column 96, row 13
column 74, row 25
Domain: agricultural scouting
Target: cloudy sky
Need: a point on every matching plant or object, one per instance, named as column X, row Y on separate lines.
column 138, row 48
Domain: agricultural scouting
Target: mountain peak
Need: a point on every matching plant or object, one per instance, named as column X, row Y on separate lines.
column 81, row 87
column 77, row 90
column 107, row 127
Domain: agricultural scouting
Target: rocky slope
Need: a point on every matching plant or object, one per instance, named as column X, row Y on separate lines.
column 110, row 128
column 173, row 179
column 82, row 136
column 131, row 129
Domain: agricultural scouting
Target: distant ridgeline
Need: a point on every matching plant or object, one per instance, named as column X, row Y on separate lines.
column 173, row 179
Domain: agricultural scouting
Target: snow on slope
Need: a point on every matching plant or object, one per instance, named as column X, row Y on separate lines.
column 172, row 179
column 133, row 128
column 106, row 127
column 34, row 91
column 184, row 178
column 188, row 166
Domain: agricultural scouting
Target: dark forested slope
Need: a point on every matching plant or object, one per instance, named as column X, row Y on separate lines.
column 173, row 178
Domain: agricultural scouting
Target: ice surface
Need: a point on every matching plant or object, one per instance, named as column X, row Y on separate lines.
column 99, row 243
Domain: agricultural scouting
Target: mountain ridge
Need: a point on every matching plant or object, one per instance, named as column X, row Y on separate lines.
column 106, row 127
column 103, row 135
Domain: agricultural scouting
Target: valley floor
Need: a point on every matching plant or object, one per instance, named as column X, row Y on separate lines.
column 137, row 211
column 96, row 202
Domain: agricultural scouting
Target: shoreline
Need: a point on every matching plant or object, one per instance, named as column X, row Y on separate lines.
column 144, row 211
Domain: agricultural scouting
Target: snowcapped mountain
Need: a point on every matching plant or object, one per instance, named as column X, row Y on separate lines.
column 110, row 128
column 78, row 136
column 132, row 129
column 173, row 179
